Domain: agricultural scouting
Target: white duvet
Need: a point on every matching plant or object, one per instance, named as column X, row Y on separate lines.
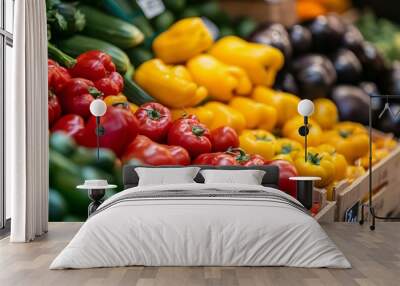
column 202, row 231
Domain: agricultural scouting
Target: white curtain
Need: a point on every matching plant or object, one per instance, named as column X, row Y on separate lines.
column 27, row 127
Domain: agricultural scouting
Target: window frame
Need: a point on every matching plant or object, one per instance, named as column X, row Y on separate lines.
column 6, row 39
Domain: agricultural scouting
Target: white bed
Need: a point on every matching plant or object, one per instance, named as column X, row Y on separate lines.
column 201, row 225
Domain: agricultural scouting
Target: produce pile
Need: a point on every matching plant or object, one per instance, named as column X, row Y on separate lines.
column 193, row 91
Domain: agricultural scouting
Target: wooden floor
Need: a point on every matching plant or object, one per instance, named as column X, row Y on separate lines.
column 375, row 257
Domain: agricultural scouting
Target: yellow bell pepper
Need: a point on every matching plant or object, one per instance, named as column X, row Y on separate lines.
column 325, row 113
column 317, row 165
column 224, row 115
column 261, row 62
column 183, row 40
column 287, row 149
column 170, row 85
column 258, row 115
column 377, row 155
column 338, row 160
column 112, row 100
column 204, row 115
column 348, row 138
column 291, row 130
column 222, row 81
column 259, row 142
column 284, row 103
column 387, row 143
column 354, row 172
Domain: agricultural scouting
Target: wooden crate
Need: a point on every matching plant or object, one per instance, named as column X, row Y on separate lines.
column 385, row 180
column 278, row 11
column 327, row 213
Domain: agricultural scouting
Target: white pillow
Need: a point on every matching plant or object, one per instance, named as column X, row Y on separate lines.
column 248, row 177
column 166, row 176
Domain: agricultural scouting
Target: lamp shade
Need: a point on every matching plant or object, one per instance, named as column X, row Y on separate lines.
column 98, row 107
column 305, row 107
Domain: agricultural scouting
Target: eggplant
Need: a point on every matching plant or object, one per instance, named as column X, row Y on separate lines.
column 373, row 63
column 389, row 124
column 377, row 103
column 352, row 103
column 327, row 33
column 392, row 80
column 353, row 39
column 301, row 39
column 348, row 67
column 286, row 82
column 314, row 74
column 274, row 35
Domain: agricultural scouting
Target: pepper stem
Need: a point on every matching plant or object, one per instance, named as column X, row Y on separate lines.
column 59, row 56
column 198, row 130
column 154, row 114
column 94, row 92
column 241, row 155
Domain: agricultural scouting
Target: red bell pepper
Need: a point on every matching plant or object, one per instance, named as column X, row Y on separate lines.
column 180, row 154
column 223, row 138
column 192, row 135
column 155, row 120
column 54, row 108
column 216, row 159
column 120, row 129
column 286, row 170
column 57, row 75
column 99, row 68
column 77, row 95
column 148, row 152
column 244, row 159
column 71, row 124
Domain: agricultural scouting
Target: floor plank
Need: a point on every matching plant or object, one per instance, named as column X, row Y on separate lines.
column 375, row 257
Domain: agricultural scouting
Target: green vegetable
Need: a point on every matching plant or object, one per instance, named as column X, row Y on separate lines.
column 64, row 19
column 79, row 44
column 108, row 28
column 226, row 31
column 246, row 27
column 175, row 6
column 57, row 206
column 133, row 92
column 62, row 143
column 59, row 56
column 139, row 55
column 84, row 156
column 191, row 11
column 163, row 21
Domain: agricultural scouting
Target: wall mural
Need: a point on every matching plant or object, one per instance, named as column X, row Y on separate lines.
column 185, row 83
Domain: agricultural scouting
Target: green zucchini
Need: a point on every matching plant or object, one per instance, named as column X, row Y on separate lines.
column 79, row 44
column 163, row 21
column 133, row 92
column 111, row 29
column 139, row 55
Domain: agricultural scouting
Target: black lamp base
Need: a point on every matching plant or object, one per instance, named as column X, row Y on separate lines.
column 305, row 193
column 96, row 196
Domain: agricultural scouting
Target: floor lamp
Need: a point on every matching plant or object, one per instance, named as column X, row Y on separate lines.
column 369, row 205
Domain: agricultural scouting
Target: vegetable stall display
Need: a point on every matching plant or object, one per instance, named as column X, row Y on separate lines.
column 193, row 86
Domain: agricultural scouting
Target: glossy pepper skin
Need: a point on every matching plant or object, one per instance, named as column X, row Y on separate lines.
column 221, row 80
column 325, row 113
column 216, row 159
column 339, row 161
column 261, row 62
column 286, row 170
column 284, row 103
column 224, row 115
column 172, row 86
column 71, row 124
column 287, row 149
column 259, row 142
column 190, row 134
column 57, row 75
column 183, row 40
column 291, row 130
column 244, row 159
column 348, row 138
column 120, row 129
column 204, row 115
column 98, row 67
column 120, row 99
column 54, row 108
column 223, row 138
column 317, row 165
column 257, row 115
column 155, row 120
column 77, row 95
column 151, row 153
